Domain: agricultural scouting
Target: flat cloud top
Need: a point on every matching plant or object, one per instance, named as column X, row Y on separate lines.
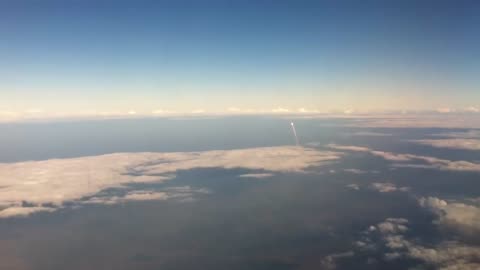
column 457, row 143
column 60, row 180
column 410, row 160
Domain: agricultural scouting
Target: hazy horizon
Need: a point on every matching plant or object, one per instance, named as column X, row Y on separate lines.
column 259, row 135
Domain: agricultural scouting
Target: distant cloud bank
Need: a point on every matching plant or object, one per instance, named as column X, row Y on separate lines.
column 394, row 119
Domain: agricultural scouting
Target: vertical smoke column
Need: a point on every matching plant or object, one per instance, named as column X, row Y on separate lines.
column 295, row 134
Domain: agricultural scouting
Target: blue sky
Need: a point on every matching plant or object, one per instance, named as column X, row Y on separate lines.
column 82, row 57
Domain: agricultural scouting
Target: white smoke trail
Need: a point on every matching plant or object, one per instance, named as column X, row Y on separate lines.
column 295, row 134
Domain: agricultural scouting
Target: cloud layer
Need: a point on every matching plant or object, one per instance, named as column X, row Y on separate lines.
column 414, row 161
column 461, row 217
column 466, row 144
column 393, row 238
column 390, row 237
column 47, row 185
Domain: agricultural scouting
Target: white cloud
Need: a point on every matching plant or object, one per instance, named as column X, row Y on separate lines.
column 7, row 116
column 60, row 180
column 425, row 120
column 304, row 110
column 467, row 144
column 387, row 187
column 393, row 225
column 328, row 262
column 469, row 134
column 385, row 155
column 391, row 235
column 447, row 255
column 20, row 211
column 257, row 175
column 234, row 109
column 442, row 164
column 349, row 111
column 34, row 111
column 184, row 193
column 369, row 133
column 461, row 217
column 349, row 148
column 444, row 255
column 380, row 187
column 402, row 160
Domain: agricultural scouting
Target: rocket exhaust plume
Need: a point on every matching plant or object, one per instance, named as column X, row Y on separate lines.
column 295, row 134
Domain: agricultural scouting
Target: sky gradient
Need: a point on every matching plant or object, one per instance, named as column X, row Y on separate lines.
column 158, row 57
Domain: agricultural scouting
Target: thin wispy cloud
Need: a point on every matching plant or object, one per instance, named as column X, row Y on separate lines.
column 465, row 144
column 414, row 161
column 257, row 175
column 184, row 193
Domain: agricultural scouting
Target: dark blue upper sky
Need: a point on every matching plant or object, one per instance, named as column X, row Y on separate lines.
column 116, row 56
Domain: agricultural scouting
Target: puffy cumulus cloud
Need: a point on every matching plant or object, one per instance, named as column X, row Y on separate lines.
column 390, row 235
column 387, row 187
column 466, row 144
column 447, row 255
column 257, row 175
column 460, row 217
column 53, row 182
column 393, row 225
column 349, row 148
column 405, row 160
column 329, row 262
